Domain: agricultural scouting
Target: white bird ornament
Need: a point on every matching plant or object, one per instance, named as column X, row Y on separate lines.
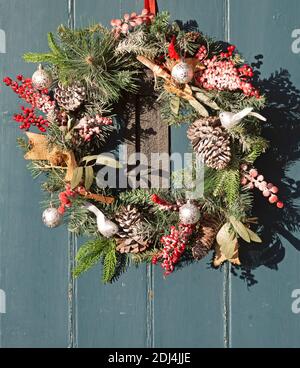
column 230, row 119
column 106, row 227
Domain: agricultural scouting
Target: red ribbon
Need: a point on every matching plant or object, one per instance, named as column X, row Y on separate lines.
column 151, row 6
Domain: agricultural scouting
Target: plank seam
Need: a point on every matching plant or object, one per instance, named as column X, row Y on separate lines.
column 72, row 244
column 150, row 343
column 227, row 267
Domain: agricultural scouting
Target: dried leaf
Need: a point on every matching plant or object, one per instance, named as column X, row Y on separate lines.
column 220, row 258
column 77, row 177
column 240, row 228
column 226, row 240
column 175, row 104
column 89, row 177
column 253, row 236
column 108, row 161
column 201, row 96
column 199, row 107
column 88, row 159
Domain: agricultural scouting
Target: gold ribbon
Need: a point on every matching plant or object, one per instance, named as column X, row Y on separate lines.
column 40, row 150
column 184, row 92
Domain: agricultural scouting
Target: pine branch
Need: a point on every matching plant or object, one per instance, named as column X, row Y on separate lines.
column 90, row 253
column 137, row 43
column 89, row 56
column 109, row 263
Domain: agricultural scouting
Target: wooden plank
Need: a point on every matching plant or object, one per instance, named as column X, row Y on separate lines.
column 262, row 315
column 113, row 315
column 188, row 306
column 33, row 259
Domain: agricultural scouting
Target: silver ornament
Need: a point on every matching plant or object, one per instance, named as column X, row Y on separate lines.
column 41, row 79
column 182, row 72
column 51, row 217
column 189, row 214
column 106, row 227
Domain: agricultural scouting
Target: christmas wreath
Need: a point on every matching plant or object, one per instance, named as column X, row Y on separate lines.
column 91, row 73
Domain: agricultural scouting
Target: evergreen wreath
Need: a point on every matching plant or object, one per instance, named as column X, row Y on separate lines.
column 197, row 81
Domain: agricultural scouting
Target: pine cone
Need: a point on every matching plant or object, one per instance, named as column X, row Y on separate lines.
column 70, row 97
column 129, row 238
column 206, row 237
column 211, row 142
column 131, row 245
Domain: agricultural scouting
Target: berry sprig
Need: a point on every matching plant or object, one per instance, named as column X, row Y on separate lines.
column 89, row 127
column 252, row 179
column 130, row 21
column 24, row 89
column 222, row 74
column 174, row 246
column 201, row 53
column 29, row 118
column 65, row 199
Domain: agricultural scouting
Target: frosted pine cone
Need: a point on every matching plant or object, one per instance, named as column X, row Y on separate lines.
column 70, row 97
column 129, row 238
column 211, row 142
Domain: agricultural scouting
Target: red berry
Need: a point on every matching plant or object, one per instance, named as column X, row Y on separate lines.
column 274, row 190
column 266, row 193
column 260, row 178
column 280, row 204
column 253, row 173
column 273, row 198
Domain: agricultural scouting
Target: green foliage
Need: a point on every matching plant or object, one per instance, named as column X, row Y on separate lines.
column 23, row 144
column 161, row 24
column 88, row 55
column 137, row 43
column 92, row 252
column 185, row 113
column 109, row 263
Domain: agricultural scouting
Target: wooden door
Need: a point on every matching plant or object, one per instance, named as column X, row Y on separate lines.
column 196, row 306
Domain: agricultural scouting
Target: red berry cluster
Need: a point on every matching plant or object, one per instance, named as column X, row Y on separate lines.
column 37, row 99
column 29, row 118
column 229, row 53
column 174, row 247
column 222, row 74
column 88, row 127
column 252, row 179
column 24, row 89
column 201, row 53
column 246, row 71
column 64, row 197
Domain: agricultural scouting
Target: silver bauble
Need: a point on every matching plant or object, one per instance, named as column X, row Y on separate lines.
column 51, row 217
column 108, row 228
column 182, row 72
column 189, row 214
column 41, row 79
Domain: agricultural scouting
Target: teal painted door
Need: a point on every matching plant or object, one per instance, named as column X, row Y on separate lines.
column 196, row 306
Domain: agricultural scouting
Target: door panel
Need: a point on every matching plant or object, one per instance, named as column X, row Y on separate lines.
column 196, row 306
column 33, row 259
column 261, row 315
